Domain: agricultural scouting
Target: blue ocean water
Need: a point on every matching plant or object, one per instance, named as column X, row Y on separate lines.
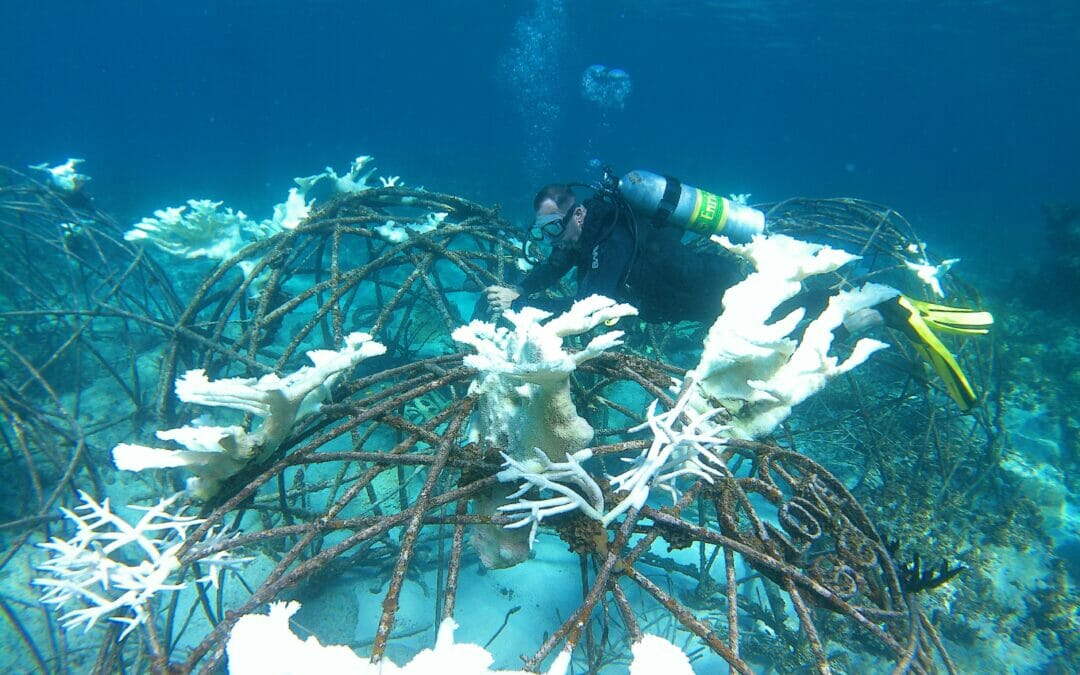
column 961, row 115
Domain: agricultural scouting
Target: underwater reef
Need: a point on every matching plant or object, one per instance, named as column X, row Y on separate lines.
column 207, row 414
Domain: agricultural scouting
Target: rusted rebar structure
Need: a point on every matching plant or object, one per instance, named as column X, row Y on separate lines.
column 78, row 304
column 390, row 454
column 902, row 428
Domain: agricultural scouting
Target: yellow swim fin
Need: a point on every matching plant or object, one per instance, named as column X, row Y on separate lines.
column 955, row 320
column 915, row 318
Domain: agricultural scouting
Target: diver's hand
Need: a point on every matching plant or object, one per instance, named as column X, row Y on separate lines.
column 499, row 298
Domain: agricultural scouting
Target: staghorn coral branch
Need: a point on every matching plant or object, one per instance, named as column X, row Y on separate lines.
column 96, row 567
column 678, row 449
column 543, row 474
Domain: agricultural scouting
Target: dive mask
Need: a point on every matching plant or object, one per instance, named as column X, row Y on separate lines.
column 550, row 225
column 545, row 231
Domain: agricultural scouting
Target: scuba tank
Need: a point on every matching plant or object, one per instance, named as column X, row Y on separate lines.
column 670, row 202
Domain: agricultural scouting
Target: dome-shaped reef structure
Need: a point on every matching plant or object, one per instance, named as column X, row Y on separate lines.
column 374, row 485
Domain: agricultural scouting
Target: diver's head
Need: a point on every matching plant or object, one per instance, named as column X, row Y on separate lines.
column 557, row 221
column 558, row 217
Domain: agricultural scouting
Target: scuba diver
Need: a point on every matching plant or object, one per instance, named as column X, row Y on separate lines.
column 647, row 265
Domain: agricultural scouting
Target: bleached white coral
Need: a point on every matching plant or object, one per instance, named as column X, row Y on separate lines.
column 678, row 449
column 277, row 399
column 754, row 368
column 392, row 232
column 931, row 274
column 396, row 233
column 533, row 351
column 524, row 374
column 524, row 397
column 431, row 221
column 356, row 180
column 750, row 376
column 202, row 230
column 64, row 176
column 751, row 372
column 653, row 654
column 289, row 214
column 264, row 644
column 574, row 489
column 214, row 453
column 115, row 568
column 198, row 230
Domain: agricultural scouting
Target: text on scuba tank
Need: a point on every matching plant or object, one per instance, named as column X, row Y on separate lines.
column 710, row 213
column 709, row 206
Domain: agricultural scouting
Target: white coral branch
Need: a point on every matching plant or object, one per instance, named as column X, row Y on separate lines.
column 116, row 568
column 214, row 453
column 677, row 449
column 931, row 275
column 574, row 487
column 197, row 230
column 64, row 176
column 757, row 368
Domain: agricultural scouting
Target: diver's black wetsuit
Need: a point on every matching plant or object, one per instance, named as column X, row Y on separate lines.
column 657, row 273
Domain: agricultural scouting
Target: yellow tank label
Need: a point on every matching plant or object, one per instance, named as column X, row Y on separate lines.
column 710, row 214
